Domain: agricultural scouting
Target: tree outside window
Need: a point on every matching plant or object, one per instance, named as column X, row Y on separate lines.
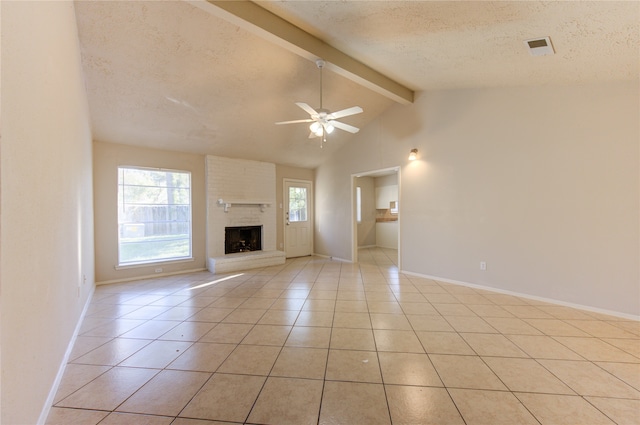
column 297, row 204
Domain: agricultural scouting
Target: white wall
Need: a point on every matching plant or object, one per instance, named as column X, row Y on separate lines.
column 542, row 183
column 47, row 215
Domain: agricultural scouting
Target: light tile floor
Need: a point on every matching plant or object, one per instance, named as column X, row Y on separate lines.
column 323, row 342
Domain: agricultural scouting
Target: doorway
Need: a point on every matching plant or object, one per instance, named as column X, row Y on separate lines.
column 376, row 214
column 298, row 218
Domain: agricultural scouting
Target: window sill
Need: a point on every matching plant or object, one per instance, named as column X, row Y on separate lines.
column 153, row 263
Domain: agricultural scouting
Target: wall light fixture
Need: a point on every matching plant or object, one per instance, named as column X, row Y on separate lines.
column 413, row 154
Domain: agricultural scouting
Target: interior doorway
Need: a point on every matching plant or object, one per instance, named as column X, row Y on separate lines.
column 376, row 214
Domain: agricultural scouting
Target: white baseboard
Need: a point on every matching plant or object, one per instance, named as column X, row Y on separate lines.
column 46, row 409
column 528, row 296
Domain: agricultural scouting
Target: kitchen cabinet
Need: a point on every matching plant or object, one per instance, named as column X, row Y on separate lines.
column 387, row 234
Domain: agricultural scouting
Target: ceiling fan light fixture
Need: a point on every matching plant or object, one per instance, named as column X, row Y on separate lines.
column 323, row 121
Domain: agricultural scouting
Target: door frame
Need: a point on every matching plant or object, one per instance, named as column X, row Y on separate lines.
column 354, row 222
column 310, row 210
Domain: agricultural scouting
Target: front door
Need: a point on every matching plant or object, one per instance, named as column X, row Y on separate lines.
column 298, row 212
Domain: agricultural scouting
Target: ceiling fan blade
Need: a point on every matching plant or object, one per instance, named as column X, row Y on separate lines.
column 294, row 121
column 345, row 127
column 308, row 109
column 346, row 112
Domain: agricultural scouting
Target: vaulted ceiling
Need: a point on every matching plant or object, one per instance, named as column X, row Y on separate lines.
column 191, row 76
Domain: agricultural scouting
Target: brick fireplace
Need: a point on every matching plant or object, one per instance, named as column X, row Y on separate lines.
column 241, row 194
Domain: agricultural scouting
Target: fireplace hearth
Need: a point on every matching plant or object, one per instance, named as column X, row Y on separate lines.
column 242, row 239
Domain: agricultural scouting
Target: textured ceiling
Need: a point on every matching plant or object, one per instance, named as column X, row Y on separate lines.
column 170, row 75
column 430, row 45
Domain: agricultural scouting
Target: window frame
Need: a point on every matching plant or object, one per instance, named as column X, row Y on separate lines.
column 358, row 204
column 146, row 262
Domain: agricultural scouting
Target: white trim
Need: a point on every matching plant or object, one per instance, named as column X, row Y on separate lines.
column 354, row 223
column 46, row 409
column 528, row 296
column 153, row 263
column 150, row 276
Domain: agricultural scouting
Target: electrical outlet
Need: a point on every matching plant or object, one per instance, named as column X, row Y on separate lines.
column 159, row 270
column 483, row 265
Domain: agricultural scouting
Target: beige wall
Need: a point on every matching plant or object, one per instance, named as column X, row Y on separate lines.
column 107, row 157
column 286, row 172
column 47, row 217
column 541, row 183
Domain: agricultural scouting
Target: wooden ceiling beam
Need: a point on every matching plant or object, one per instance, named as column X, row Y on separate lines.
column 252, row 17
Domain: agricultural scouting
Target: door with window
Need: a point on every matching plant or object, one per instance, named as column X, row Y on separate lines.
column 298, row 218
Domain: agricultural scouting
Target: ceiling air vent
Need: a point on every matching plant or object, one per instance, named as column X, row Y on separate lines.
column 540, row 46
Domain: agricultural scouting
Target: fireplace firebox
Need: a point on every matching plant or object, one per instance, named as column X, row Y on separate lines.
column 242, row 239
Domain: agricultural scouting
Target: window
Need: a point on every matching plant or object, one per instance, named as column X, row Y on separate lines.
column 297, row 204
column 394, row 207
column 358, row 204
column 154, row 215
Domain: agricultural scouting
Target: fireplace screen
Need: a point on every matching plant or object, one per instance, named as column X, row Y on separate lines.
column 242, row 239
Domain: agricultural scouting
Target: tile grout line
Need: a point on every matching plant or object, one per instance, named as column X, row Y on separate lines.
column 369, row 283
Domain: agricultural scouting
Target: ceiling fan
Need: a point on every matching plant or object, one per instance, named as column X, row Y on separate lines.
column 322, row 120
